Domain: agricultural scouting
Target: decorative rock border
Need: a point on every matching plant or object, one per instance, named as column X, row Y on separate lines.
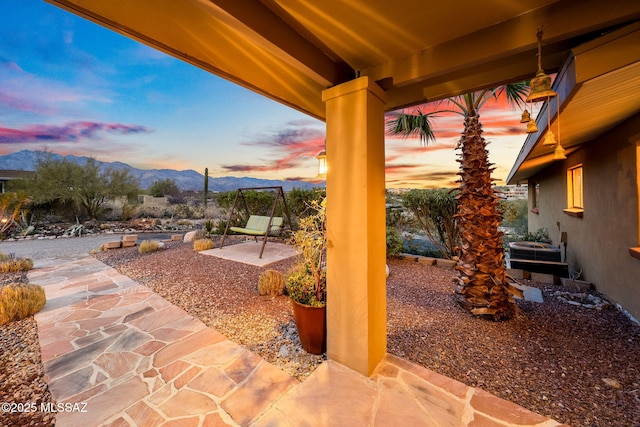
column 439, row 262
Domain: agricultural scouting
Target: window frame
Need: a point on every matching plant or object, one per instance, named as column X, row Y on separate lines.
column 534, row 192
column 635, row 251
column 575, row 191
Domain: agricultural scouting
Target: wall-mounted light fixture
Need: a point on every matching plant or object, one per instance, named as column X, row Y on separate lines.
column 322, row 163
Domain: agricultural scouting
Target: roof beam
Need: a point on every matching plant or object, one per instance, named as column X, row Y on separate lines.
column 281, row 34
column 561, row 21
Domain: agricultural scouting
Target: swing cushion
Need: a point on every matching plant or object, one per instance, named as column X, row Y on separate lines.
column 257, row 226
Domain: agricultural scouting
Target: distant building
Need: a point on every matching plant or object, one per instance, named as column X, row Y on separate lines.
column 512, row 192
column 9, row 175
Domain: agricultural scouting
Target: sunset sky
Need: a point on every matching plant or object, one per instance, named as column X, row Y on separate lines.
column 73, row 87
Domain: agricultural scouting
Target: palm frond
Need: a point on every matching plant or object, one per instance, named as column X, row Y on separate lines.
column 417, row 124
column 517, row 93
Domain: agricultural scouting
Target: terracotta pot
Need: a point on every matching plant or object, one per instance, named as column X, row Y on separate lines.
column 312, row 327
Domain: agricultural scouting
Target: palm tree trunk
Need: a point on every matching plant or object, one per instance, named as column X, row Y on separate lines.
column 482, row 285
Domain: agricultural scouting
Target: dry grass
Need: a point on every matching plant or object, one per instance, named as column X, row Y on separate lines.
column 202, row 244
column 19, row 300
column 10, row 264
column 271, row 282
column 148, row 246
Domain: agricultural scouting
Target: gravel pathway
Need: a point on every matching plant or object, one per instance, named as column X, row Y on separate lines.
column 62, row 247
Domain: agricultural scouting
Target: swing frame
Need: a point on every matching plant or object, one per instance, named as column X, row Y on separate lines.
column 255, row 233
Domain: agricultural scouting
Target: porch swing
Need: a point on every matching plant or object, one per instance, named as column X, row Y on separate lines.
column 259, row 225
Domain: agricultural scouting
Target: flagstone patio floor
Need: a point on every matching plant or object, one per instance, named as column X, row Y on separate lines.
column 118, row 354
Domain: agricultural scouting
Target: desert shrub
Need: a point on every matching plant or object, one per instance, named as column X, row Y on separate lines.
column 271, row 282
column 298, row 201
column 202, row 244
column 148, row 246
column 540, row 235
column 209, row 226
column 435, row 211
column 394, row 242
column 3, row 256
column 12, row 264
column 18, row 301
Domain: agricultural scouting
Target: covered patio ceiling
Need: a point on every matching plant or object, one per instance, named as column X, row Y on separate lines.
column 417, row 51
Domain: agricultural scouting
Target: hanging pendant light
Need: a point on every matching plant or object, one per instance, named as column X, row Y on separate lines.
column 525, row 117
column 532, row 127
column 549, row 138
column 541, row 84
column 541, row 88
column 558, row 153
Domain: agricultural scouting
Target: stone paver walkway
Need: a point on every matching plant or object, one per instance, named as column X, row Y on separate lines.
column 120, row 355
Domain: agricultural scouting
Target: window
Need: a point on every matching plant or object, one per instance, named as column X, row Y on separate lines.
column 635, row 251
column 534, row 196
column 575, row 202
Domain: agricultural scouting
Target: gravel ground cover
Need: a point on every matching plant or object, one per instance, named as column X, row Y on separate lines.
column 22, row 385
column 578, row 365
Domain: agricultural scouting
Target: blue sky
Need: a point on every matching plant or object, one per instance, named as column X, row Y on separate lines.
column 73, row 87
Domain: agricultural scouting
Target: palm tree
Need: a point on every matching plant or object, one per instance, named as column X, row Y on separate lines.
column 482, row 285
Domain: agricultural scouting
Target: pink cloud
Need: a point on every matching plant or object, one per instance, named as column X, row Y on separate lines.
column 70, row 132
column 412, row 149
column 291, row 148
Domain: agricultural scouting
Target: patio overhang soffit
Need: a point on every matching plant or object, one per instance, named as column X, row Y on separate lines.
column 598, row 88
column 291, row 50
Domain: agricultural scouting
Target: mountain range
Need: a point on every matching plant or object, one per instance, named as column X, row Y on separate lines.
column 26, row 160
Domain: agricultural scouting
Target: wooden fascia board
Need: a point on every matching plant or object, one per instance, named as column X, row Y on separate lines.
column 611, row 52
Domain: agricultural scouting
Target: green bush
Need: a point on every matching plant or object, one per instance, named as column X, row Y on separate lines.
column 394, row 242
column 271, row 282
column 209, row 226
column 435, row 211
column 148, row 246
column 18, row 301
column 299, row 200
column 301, row 286
column 540, row 235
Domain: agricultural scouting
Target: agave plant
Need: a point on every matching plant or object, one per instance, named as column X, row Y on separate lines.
column 482, row 285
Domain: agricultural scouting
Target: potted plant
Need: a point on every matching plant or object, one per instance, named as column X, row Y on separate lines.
column 306, row 282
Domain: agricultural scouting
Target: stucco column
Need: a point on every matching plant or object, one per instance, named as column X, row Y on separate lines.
column 356, row 230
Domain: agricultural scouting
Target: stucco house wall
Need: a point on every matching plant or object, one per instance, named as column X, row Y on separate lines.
column 598, row 243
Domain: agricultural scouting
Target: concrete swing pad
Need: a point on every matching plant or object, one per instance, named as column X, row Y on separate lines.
column 248, row 252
